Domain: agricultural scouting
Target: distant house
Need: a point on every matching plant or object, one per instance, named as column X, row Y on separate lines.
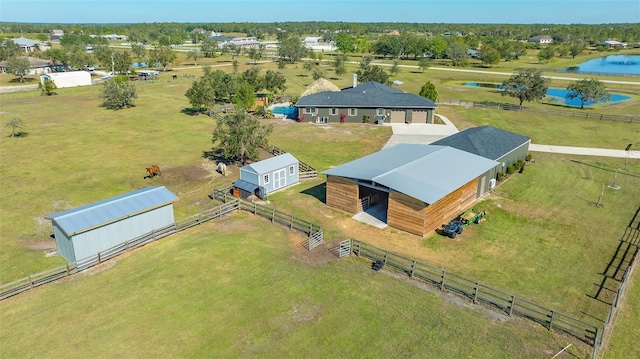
column 612, row 44
column 504, row 147
column 68, row 79
column 56, row 34
column 378, row 102
column 115, row 37
column 28, row 45
column 85, row 231
column 242, row 42
column 317, row 44
column 36, row 66
column 261, row 178
column 417, row 188
column 541, row 39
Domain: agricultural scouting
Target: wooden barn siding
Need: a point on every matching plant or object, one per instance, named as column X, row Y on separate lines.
column 450, row 206
column 342, row 193
column 406, row 213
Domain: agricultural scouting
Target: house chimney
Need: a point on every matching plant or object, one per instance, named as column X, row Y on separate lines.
column 355, row 80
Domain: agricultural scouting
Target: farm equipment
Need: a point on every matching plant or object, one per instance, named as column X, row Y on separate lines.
column 457, row 225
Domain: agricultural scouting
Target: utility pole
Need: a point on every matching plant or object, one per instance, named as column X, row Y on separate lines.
column 113, row 64
column 626, row 161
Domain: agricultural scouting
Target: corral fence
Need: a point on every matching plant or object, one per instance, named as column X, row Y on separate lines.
column 631, row 238
column 305, row 171
column 10, row 289
column 313, row 231
column 477, row 292
column 564, row 113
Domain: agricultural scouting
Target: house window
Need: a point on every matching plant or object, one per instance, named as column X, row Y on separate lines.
column 266, row 179
column 292, row 170
column 334, row 111
column 380, row 112
column 309, row 110
column 353, row 112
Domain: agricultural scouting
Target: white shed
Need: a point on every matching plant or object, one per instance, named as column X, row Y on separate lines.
column 68, row 79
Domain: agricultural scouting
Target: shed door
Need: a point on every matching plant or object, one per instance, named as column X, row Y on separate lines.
column 279, row 179
column 397, row 116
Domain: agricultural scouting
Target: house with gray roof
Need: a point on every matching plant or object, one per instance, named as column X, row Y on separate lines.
column 504, row 147
column 261, row 178
column 28, row 45
column 85, row 231
column 420, row 187
column 371, row 100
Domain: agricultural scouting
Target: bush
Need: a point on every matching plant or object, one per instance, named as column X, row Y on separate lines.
column 500, row 176
column 520, row 164
column 529, row 157
column 366, row 119
column 511, row 169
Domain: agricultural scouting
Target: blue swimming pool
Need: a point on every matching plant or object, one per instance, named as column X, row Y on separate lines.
column 554, row 94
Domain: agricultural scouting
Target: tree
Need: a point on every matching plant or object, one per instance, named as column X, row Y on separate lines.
column 239, row 137
column 546, row 54
column 19, row 66
column 345, row 42
column 372, row 73
column 118, row 93
column 457, row 52
column 9, row 49
column 437, row 46
column 122, row 62
column 291, row 49
column 163, row 55
column 15, row 124
column 339, row 64
column 429, row 91
column 309, row 66
column 489, row 56
column 395, row 67
column 576, row 49
column 318, row 73
column 139, row 51
column 195, row 55
column 201, row 96
column 245, row 96
column 208, row 47
column 588, row 90
column 424, row 63
column 256, row 54
column 526, row 85
column 275, row 81
column 46, row 87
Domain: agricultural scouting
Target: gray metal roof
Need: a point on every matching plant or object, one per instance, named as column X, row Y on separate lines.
column 425, row 172
column 271, row 164
column 370, row 94
column 247, row 186
column 485, row 141
column 109, row 210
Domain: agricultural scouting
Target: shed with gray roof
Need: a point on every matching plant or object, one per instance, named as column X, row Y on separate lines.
column 371, row 100
column 267, row 176
column 85, row 231
column 493, row 143
column 422, row 186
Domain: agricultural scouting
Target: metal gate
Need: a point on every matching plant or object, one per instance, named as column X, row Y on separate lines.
column 345, row 248
column 315, row 239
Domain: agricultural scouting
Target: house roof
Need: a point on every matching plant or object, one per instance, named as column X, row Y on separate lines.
column 542, row 37
column 83, row 218
column 485, row 141
column 271, row 164
column 424, row 172
column 370, row 94
column 247, row 186
column 23, row 41
column 33, row 62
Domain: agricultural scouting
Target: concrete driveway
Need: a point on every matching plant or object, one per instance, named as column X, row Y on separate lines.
column 419, row 133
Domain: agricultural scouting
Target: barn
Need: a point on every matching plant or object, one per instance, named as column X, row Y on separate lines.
column 419, row 187
column 84, row 231
column 267, row 176
column 502, row 146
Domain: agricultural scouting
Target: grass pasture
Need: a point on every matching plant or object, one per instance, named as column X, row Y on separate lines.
column 241, row 287
column 543, row 239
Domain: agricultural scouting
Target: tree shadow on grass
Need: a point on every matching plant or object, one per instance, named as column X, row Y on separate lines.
column 317, row 191
column 190, row 111
column 24, row 80
column 19, row 134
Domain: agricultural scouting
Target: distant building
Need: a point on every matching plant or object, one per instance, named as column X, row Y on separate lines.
column 612, row 44
column 115, row 37
column 36, row 66
column 68, row 79
column 56, row 34
column 541, row 39
column 28, row 45
column 267, row 176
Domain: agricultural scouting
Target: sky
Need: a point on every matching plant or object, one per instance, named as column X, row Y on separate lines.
column 268, row 11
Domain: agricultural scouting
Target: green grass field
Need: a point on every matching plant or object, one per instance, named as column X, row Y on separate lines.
column 543, row 239
column 240, row 287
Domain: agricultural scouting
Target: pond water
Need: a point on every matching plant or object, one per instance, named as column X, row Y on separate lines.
column 615, row 64
column 554, row 94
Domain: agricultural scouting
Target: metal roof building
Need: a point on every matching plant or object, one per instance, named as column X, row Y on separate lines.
column 267, row 176
column 421, row 186
column 84, row 231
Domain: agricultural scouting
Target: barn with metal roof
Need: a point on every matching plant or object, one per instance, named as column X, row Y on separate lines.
column 421, row 186
column 84, row 231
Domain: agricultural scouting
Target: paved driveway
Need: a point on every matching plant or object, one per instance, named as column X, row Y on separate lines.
column 420, row 133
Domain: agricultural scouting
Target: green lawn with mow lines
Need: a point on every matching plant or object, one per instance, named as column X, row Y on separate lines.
column 239, row 287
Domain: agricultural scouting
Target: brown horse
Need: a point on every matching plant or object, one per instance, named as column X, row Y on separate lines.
column 153, row 171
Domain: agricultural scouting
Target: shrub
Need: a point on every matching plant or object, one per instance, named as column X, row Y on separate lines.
column 366, row 119
column 343, row 117
column 500, row 176
column 511, row 169
column 520, row 164
column 301, row 118
column 529, row 157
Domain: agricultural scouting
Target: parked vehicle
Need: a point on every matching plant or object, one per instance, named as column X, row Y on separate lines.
column 457, row 225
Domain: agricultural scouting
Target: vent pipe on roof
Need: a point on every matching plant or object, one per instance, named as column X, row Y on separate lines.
column 355, row 80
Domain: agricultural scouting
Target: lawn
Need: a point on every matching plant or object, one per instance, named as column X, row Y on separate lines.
column 243, row 287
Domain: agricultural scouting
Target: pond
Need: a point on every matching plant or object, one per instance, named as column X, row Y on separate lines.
column 554, row 94
column 616, row 64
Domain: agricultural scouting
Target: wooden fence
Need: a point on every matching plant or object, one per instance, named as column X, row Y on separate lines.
column 10, row 289
column 579, row 114
column 313, row 231
column 480, row 293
